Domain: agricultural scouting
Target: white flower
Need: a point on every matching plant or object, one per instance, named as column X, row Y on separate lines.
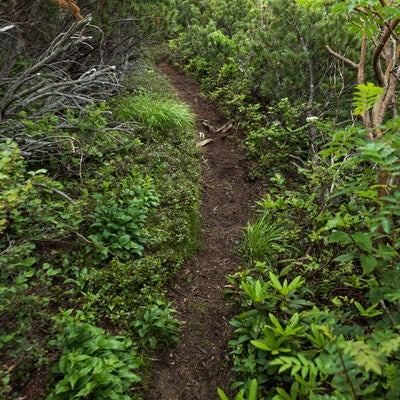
column 312, row 119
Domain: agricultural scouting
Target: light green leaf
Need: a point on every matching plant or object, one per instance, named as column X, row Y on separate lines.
column 53, row 272
column 363, row 355
column 72, row 379
column 390, row 346
column 278, row 326
column 87, row 389
column 222, row 395
column 370, row 311
column 340, row 237
column 293, row 321
column 365, row 97
column 62, row 387
column 275, row 281
column 29, row 273
column 296, row 283
column 282, row 395
column 344, row 257
column 28, row 262
column 363, row 240
column 368, row 263
column 386, row 225
column 253, row 390
column 333, row 223
column 260, row 344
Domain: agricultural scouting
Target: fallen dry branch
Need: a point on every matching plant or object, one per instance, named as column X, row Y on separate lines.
column 225, row 128
column 47, row 85
column 51, row 84
column 204, row 142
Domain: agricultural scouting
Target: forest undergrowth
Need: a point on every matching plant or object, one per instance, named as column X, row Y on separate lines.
column 319, row 311
column 100, row 194
column 98, row 207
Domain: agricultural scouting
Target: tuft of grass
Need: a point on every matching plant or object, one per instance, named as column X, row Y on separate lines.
column 260, row 239
column 155, row 114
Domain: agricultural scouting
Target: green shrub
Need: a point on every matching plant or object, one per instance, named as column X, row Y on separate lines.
column 33, row 212
column 252, row 395
column 298, row 352
column 155, row 324
column 119, row 218
column 116, row 292
column 93, row 364
column 334, row 332
column 278, row 142
column 107, row 248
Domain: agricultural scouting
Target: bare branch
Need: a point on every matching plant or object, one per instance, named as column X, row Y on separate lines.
column 6, row 28
column 342, row 58
column 67, row 89
column 59, row 46
column 48, row 78
column 387, row 33
column 68, row 74
column 59, row 192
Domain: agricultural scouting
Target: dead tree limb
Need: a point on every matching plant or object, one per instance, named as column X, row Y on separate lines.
column 48, row 86
column 47, row 79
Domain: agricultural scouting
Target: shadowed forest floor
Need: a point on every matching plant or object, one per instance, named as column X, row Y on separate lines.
column 200, row 362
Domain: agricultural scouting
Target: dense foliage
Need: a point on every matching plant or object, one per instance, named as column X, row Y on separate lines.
column 318, row 286
column 98, row 208
column 267, row 66
column 320, row 312
column 96, row 211
column 103, row 251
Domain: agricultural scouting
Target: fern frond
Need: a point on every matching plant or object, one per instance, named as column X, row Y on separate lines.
column 71, row 6
column 365, row 97
column 364, row 355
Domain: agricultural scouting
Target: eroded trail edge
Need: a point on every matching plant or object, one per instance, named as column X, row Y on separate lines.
column 199, row 363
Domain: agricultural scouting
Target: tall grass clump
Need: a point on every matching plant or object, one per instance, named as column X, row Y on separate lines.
column 155, row 114
column 258, row 243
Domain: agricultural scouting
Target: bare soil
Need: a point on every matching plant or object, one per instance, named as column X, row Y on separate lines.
column 200, row 362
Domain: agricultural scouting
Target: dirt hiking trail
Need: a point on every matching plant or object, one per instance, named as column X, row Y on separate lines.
column 200, row 362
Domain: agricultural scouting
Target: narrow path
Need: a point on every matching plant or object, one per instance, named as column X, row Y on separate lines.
column 200, row 361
